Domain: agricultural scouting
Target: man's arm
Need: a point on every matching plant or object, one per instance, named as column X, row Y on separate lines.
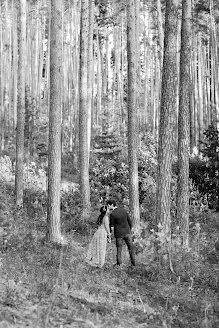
column 111, row 223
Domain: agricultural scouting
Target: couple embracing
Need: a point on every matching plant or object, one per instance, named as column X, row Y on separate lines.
column 111, row 218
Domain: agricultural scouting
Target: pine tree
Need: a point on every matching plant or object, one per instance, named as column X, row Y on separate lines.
column 20, row 102
column 132, row 115
column 83, row 111
column 54, row 148
column 167, row 118
column 183, row 124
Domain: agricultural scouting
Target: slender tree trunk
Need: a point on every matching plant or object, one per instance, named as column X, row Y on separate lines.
column 36, row 59
column 19, row 173
column 132, row 116
column 167, row 119
column 214, row 68
column 90, row 72
column 208, row 94
column 160, row 31
column 146, row 70
column 148, row 64
column 83, row 111
column 1, row 84
column 54, row 148
column 40, row 66
column 199, row 89
column 75, row 70
column 99, row 84
column 70, row 74
column 116, row 32
column 137, row 54
column 47, row 66
column 123, row 109
column 195, row 91
column 10, row 130
column 183, row 124
column 105, row 69
column 156, row 100
column 191, row 111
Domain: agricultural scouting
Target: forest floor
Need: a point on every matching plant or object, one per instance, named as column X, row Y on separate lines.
column 43, row 286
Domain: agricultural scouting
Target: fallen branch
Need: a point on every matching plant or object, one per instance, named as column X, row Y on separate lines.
column 141, row 300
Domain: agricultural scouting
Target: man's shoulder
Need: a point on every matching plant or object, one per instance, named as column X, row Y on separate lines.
column 119, row 209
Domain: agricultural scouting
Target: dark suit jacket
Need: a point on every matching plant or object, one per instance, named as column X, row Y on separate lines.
column 120, row 220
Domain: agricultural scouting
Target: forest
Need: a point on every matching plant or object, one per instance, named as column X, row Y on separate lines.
column 99, row 100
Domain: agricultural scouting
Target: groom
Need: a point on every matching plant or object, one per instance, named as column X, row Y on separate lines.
column 122, row 224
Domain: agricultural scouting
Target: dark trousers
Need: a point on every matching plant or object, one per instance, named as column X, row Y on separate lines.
column 129, row 243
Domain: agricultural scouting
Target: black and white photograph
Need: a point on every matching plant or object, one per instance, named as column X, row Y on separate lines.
column 109, row 164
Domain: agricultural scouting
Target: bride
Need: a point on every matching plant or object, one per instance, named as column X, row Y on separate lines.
column 97, row 248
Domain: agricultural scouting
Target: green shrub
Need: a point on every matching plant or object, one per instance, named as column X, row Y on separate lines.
column 204, row 169
column 109, row 174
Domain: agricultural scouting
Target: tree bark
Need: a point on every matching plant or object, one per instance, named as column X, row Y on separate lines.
column 167, row 119
column 183, row 124
column 2, row 84
column 160, row 31
column 19, row 170
column 90, row 72
column 132, row 116
column 54, row 147
column 83, row 111
column 214, row 68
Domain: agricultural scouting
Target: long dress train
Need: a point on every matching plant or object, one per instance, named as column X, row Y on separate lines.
column 97, row 248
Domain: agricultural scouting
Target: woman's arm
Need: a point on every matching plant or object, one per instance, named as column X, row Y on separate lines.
column 106, row 224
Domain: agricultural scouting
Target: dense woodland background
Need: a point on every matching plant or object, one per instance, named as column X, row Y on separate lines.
column 105, row 99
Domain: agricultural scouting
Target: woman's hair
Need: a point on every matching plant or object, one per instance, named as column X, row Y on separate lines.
column 103, row 210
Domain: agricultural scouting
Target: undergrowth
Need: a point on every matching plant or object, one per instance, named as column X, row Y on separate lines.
column 44, row 286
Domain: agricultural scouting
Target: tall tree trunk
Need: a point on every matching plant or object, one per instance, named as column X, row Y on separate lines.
column 10, row 83
column 21, row 103
column 83, row 111
column 132, row 116
column 160, row 31
column 48, row 58
column 75, row 81
column 167, row 119
column 2, row 124
column 90, row 72
column 199, row 88
column 191, row 109
column 70, row 83
column 123, row 109
column 195, row 95
column 116, row 33
column 54, row 148
column 146, row 68
column 214, row 67
column 137, row 54
column 183, row 124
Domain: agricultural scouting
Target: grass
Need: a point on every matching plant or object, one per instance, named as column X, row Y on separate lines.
column 43, row 286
